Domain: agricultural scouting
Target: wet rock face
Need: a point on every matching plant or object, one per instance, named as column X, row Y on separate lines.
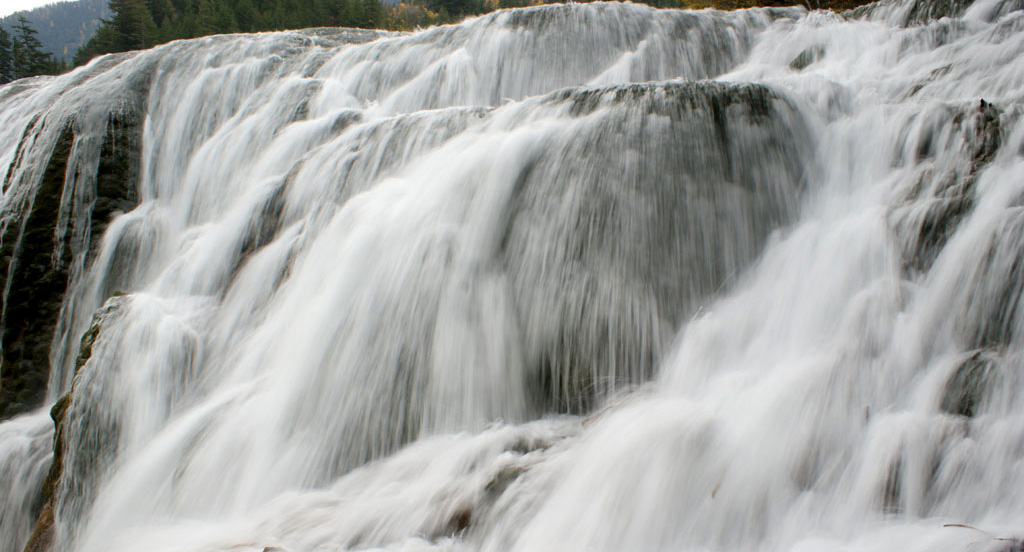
column 35, row 259
column 659, row 175
column 35, row 280
column 967, row 388
column 42, row 538
column 44, row 533
column 944, row 195
column 918, row 12
column 117, row 175
column 924, row 11
column 807, row 58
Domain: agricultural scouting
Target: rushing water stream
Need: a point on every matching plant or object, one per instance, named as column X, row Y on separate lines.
column 568, row 278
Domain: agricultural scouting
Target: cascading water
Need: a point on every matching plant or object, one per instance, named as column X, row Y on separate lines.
column 583, row 277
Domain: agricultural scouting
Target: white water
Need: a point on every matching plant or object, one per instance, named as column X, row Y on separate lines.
column 465, row 289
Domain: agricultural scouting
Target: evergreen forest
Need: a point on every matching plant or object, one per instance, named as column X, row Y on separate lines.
column 140, row 24
column 22, row 54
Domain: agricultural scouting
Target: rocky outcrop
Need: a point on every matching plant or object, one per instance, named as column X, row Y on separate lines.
column 667, row 172
column 944, row 195
column 36, row 256
column 44, row 533
column 967, row 388
column 909, row 13
column 924, row 11
column 34, row 282
column 807, row 58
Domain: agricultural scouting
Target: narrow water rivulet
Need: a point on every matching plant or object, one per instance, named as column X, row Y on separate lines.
column 585, row 277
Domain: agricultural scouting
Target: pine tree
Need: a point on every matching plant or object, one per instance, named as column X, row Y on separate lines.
column 102, row 42
column 133, row 24
column 320, row 13
column 6, row 57
column 205, row 22
column 373, row 14
column 352, row 14
column 245, row 16
column 27, row 55
column 160, row 10
column 224, row 18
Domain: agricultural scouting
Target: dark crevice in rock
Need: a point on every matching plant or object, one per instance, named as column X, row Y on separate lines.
column 34, row 286
column 117, row 175
column 37, row 259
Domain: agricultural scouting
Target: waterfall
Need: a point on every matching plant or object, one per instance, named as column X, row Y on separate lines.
column 593, row 277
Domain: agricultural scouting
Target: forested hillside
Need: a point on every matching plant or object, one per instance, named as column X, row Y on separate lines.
column 22, row 54
column 63, row 27
column 144, row 23
column 138, row 24
column 82, row 30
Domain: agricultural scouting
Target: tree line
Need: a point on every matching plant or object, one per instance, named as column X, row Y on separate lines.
column 138, row 24
column 141, row 24
column 22, row 55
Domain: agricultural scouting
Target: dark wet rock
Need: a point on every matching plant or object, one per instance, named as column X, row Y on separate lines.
column 266, row 224
column 925, row 11
column 58, row 414
column 807, row 57
column 526, row 445
column 34, row 282
column 1008, row 544
column 983, row 133
column 967, row 388
column 501, row 482
column 43, row 534
column 944, row 196
column 451, row 521
column 990, row 312
column 861, row 12
column 920, row 12
column 117, row 175
column 892, row 493
column 36, row 257
column 932, row 76
column 458, row 522
column 935, row 227
column 627, row 211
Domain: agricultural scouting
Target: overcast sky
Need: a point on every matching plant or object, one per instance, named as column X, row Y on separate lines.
column 7, row 7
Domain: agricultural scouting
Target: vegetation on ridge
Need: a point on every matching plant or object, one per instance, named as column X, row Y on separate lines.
column 22, row 55
column 138, row 24
column 63, row 26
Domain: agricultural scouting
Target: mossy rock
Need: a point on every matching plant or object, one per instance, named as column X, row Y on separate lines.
column 35, row 259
